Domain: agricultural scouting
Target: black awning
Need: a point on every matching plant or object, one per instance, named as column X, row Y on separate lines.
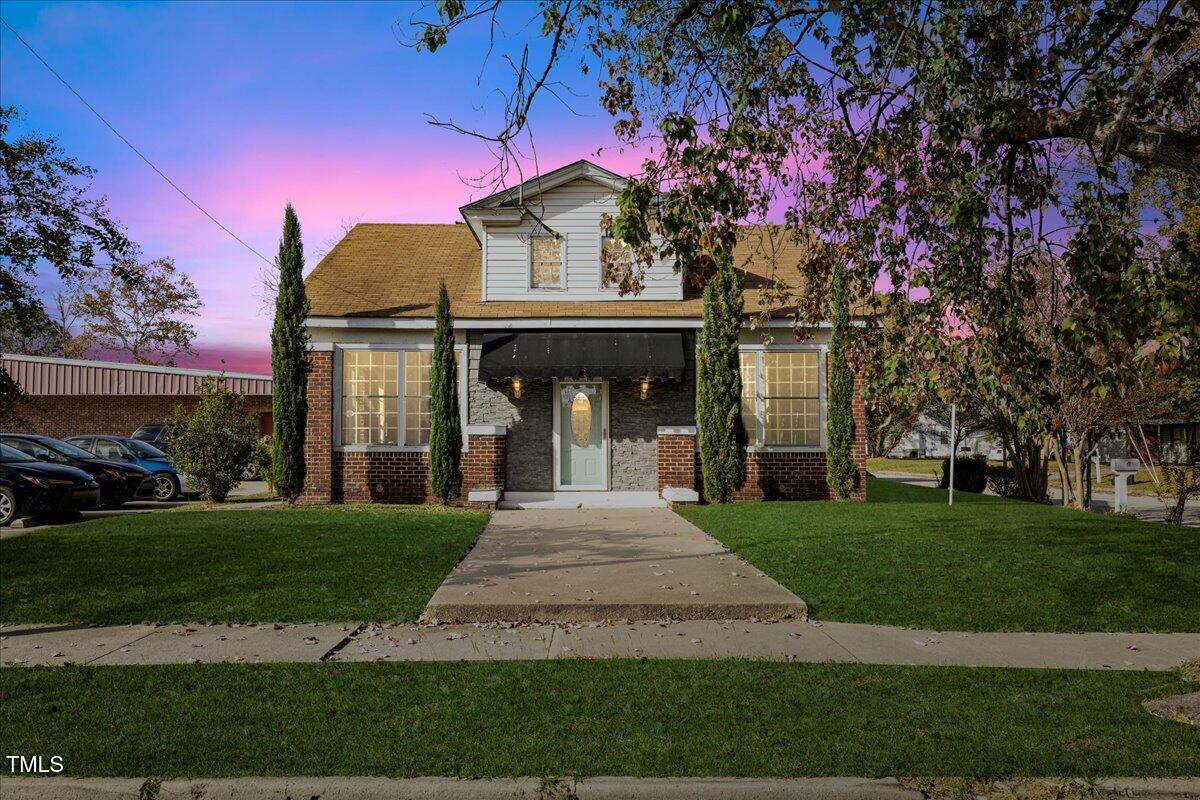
column 542, row 355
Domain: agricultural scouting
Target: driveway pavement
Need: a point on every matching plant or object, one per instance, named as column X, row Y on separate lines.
column 580, row 565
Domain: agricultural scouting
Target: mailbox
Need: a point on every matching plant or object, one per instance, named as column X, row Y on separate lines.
column 1123, row 469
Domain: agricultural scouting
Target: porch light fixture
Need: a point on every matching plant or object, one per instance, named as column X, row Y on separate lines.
column 645, row 388
column 517, row 386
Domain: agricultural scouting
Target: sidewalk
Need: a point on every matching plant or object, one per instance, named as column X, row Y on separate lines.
column 786, row 640
column 598, row 788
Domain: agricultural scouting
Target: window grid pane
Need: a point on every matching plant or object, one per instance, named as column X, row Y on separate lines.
column 791, row 399
column 617, row 257
column 749, row 367
column 370, row 397
column 545, row 253
column 416, row 396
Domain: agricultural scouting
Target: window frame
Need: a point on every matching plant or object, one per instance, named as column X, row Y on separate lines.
column 562, row 261
column 398, row 351
column 600, row 285
column 759, row 352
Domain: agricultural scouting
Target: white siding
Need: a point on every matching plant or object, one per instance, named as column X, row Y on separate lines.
column 573, row 211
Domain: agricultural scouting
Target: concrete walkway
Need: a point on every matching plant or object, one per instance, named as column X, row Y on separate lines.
column 586, row 565
column 786, row 640
column 598, row 788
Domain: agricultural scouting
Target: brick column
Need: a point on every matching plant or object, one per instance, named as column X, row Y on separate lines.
column 858, row 450
column 318, row 431
column 485, row 464
column 677, row 464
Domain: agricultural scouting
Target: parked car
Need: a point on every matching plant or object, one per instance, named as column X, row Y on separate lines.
column 119, row 481
column 155, row 434
column 158, row 435
column 29, row 486
column 169, row 483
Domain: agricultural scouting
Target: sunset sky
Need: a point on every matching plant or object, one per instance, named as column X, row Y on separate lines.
column 249, row 105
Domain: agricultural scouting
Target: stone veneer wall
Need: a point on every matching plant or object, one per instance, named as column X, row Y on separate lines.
column 633, row 424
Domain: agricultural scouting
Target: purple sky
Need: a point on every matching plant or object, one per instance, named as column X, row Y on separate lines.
column 247, row 106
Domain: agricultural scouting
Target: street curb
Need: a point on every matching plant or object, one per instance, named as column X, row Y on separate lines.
column 599, row 788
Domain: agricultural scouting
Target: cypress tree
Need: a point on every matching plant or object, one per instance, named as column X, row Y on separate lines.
column 719, row 386
column 840, row 471
column 289, row 364
column 445, row 427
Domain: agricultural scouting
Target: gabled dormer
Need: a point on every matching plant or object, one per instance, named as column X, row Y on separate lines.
column 542, row 240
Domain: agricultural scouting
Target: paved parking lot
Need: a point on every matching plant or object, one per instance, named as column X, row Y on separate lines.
column 26, row 524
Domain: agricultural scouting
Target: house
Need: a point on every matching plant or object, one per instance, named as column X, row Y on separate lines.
column 571, row 395
column 931, row 439
column 71, row 396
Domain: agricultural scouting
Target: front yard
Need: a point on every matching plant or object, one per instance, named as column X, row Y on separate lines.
column 336, row 563
column 642, row 718
column 905, row 558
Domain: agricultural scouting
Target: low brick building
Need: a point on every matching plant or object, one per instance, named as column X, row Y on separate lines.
column 570, row 393
column 68, row 397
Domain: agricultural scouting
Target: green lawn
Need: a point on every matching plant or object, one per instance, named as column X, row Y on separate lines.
column 583, row 718
column 278, row 565
column 905, row 558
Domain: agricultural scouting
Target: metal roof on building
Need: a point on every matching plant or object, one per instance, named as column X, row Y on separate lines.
column 47, row 376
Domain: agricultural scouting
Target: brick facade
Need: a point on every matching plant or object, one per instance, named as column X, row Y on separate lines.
column 60, row 416
column 677, row 461
column 318, row 431
column 397, row 477
column 484, row 465
column 403, row 477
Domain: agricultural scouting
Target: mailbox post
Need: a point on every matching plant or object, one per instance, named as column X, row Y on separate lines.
column 1122, row 468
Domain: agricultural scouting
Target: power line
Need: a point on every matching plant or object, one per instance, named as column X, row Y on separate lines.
column 161, row 174
column 129, row 144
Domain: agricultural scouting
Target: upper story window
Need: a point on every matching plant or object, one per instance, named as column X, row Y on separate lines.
column 616, row 259
column 784, row 408
column 545, row 261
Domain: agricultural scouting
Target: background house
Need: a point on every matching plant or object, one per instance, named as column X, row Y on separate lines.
column 67, row 396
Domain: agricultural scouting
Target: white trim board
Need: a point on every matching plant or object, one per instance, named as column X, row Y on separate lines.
column 540, row 323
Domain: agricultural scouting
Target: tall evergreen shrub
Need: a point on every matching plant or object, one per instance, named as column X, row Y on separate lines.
column 719, row 387
column 841, row 471
column 289, row 364
column 445, row 427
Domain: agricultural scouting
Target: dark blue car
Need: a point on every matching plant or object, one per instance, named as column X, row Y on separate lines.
column 169, row 484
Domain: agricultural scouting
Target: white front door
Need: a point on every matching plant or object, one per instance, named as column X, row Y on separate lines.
column 581, row 435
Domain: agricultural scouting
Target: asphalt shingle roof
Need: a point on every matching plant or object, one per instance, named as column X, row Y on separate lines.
column 393, row 270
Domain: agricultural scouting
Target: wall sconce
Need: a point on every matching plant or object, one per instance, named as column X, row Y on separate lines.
column 645, row 388
column 518, row 384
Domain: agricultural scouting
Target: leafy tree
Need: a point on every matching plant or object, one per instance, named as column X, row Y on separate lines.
column 289, row 364
column 445, row 426
column 47, row 215
column 37, row 334
column 214, row 441
column 947, row 151
column 841, row 472
column 143, row 316
column 10, row 396
column 719, row 386
column 892, row 400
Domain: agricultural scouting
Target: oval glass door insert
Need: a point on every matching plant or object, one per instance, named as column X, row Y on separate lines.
column 581, row 419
